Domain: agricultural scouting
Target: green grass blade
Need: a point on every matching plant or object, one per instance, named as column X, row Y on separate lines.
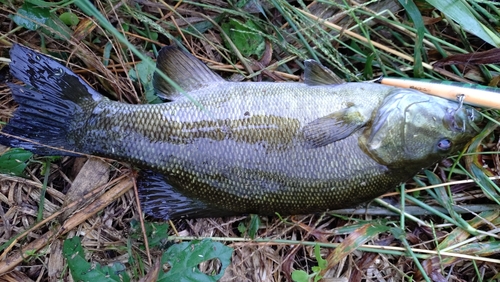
column 414, row 13
column 461, row 13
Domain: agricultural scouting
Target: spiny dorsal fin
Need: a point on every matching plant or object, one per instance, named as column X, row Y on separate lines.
column 184, row 69
column 317, row 74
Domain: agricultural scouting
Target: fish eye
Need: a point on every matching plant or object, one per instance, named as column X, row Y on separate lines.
column 444, row 144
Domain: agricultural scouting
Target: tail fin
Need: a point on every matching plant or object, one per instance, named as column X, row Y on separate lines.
column 52, row 105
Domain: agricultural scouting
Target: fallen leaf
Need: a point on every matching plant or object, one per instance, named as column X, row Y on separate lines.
column 491, row 56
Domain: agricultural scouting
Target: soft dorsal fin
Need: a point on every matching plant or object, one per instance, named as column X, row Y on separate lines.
column 184, row 69
column 317, row 74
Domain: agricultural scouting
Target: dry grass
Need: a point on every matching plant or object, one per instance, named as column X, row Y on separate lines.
column 104, row 212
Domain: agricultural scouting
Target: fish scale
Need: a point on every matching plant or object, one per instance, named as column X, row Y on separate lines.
column 228, row 148
column 262, row 175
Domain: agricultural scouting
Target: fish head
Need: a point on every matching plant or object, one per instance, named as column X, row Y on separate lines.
column 412, row 130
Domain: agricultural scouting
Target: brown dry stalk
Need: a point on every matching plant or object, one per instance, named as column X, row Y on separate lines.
column 114, row 193
column 89, row 195
column 143, row 228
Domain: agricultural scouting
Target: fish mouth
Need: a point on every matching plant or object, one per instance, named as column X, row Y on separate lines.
column 463, row 119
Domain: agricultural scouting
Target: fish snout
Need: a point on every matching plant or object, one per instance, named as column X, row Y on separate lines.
column 464, row 119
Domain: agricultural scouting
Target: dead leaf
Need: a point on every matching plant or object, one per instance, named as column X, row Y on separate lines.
column 15, row 276
column 476, row 58
column 7, row 263
column 153, row 272
column 93, row 174
column 433, row 269
column 55, row 266
column 84, row 28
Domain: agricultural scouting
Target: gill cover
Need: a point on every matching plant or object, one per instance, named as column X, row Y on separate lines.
column 412, row 127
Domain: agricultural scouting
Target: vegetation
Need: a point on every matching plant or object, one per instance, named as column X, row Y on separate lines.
column 443, row 225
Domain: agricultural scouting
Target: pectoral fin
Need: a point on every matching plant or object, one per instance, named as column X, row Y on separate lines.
column 160, row 199
column 334, row 127
column 317, row 74
column 185, row 70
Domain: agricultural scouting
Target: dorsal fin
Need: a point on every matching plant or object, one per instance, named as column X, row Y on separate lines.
column 183, row 68
column 317, row 74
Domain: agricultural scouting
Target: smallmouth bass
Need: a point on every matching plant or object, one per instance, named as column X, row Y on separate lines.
column 240, row 147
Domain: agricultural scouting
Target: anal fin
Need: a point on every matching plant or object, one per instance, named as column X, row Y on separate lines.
column 161, row 199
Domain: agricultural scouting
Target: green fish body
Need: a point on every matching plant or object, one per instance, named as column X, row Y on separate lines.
column 228, row 148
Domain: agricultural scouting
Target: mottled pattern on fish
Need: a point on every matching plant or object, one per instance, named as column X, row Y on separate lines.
column 242, row 154
column 239, row 148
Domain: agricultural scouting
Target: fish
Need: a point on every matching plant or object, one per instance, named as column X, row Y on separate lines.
column 220, row 148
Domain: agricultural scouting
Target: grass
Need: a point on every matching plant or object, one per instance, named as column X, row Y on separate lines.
column 446, row 228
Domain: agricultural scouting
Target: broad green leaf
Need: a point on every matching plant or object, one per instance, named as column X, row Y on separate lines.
column 30, row 16
column 69, row 18
column 254, row 225
column 300, row 276
column 33, row 17
column 184, row 259
column 143, row 73
column 242, row 228
column 14, row 161
column 157, row 233
column 245, row 37
column 82, row 270
column 460, row 13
